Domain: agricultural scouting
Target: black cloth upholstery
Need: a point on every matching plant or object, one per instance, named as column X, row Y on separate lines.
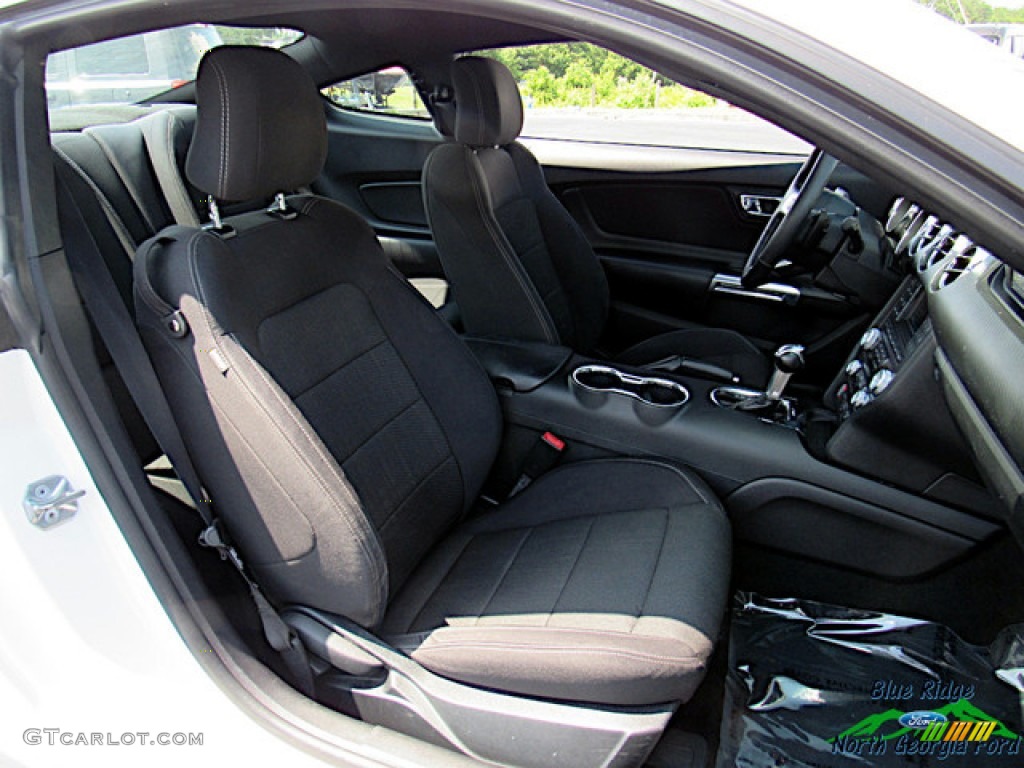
column 242, row 149
column 115, row 188
column 337, row 450
column 489, row 111
column 518, row 265
column 344, row 431
column 602, row 582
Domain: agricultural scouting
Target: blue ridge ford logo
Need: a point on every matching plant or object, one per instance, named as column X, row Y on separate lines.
column 921, row 719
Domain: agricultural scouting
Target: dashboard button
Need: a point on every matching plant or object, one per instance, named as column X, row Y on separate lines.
column 861, row 398
column 881, row 381
column 871, row 339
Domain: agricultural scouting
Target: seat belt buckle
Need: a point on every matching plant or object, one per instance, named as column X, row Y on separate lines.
column 542, row 457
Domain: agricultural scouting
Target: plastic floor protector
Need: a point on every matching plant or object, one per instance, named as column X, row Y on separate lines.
column 818, row 685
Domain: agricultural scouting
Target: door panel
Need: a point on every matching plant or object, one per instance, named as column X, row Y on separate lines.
column 374, row 163
column 666, row 238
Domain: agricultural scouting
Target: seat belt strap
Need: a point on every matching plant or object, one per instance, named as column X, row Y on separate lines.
column 159, row 140
column 117, row 329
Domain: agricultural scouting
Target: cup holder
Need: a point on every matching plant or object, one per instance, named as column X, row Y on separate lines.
column 655, row 400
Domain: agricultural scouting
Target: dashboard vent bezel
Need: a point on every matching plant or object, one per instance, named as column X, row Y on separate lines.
column 939, row 249
column 963, row 259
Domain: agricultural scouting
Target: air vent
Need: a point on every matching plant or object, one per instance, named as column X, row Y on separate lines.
column 910, row 231
column 963, row 259
column 939, row 249
column 925, row 237
column 900, row 210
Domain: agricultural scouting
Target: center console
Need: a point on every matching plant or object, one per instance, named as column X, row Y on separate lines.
column 894, row 424
column 890, row 477
column 900, row 328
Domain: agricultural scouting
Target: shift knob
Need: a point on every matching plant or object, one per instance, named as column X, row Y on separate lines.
column 789, row 358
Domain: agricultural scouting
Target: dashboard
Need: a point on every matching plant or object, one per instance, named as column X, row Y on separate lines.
column 951, row 335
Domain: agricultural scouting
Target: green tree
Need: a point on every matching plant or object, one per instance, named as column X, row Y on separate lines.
column 272, row 37
column 540, row 86
column 584, row 75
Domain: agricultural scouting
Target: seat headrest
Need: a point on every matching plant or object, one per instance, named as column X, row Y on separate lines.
column 488, row 107
column 260, row 128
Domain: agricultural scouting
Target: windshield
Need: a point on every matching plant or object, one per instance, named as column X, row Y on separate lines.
column 915, row 45
column 131, row 69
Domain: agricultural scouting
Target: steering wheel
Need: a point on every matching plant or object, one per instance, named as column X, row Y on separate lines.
column 796, row 205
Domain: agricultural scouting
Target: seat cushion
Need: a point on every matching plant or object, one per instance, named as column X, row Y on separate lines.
column 717, row 346
column 604, row 581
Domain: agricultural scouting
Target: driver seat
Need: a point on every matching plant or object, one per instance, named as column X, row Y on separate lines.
column 518, row 264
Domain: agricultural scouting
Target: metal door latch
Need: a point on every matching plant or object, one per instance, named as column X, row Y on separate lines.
column 51, row 501
column 759, row 205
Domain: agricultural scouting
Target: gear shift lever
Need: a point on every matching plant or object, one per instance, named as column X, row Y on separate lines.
column 789, row 358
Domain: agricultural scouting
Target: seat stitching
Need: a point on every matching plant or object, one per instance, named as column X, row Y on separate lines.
column 430, row 473
column 123, row 175
column 273, row 477
column 358, row 523
column 113, row 218
column 533, row 648
column 360, row 526
column 504, row 573
column 441, row 581
column 639, row 460
column 374, row 432
column 339, row 367
column 419, row 391
column 494, row 230
column 312, row 202
column 574, row 331
column 678, row 472
column 480, row 126
column 568, row 578
column 654, row 571
column 613, row 634
column 195, row 375
column 225, row 124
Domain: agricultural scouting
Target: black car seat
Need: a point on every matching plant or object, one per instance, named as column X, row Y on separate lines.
column 518, row 265
column 344, row 431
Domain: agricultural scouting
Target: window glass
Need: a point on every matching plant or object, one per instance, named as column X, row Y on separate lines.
column 134, row 68
column 580, row 92
column 388, row 91
column 115, row 57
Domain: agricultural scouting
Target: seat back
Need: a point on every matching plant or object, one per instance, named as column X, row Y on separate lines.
column 339, row 425
column 110, row 177
column 518, row 264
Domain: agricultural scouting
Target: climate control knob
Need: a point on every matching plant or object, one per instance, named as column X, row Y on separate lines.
column 881, row 381
column 871, row 339
column 853, row 368
column 861, row 398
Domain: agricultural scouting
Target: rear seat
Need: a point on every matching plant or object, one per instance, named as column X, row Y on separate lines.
column 117, row 186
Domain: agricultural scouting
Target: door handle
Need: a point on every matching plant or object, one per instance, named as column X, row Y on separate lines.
column 759, row 205
column 778, row 293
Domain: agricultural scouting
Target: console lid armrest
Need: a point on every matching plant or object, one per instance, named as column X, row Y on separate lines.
column 521, row 366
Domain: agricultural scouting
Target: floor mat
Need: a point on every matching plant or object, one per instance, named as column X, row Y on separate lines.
column 817, row 685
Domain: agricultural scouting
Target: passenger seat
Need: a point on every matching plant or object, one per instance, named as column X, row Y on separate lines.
column 344, row 432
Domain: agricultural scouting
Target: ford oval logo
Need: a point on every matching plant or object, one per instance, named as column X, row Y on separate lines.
column 921, row 719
